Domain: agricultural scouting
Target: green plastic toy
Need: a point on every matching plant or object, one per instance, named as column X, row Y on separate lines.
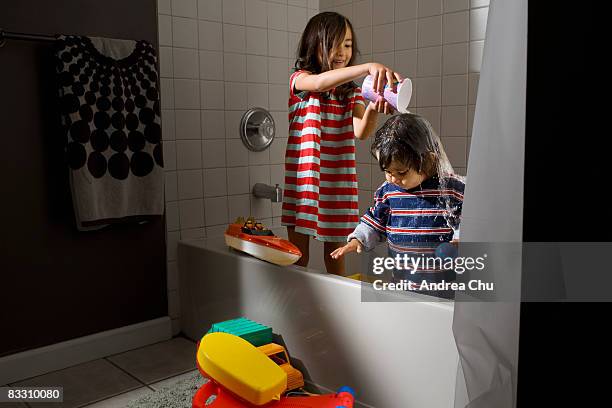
column 255, row 333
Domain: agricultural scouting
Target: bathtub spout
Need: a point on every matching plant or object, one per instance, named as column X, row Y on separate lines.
column 275, row 194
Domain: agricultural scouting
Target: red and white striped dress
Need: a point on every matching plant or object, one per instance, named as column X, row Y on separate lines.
column 320, row 196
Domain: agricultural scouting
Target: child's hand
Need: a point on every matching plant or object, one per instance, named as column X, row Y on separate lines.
column 352, row 246
column 382, row 106
column 382, row 75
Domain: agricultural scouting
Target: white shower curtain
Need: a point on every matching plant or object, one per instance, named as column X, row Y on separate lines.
column 487, row 333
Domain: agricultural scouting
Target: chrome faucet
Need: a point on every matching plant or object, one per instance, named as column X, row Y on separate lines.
column 275, row 194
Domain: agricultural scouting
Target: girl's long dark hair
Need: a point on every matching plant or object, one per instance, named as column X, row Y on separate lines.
column 323, row 33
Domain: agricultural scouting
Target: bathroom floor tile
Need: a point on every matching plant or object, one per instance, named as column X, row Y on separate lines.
column 170, row 381
column 84, row 383
column 158, row 361
column 122, row 399
column 12, row 404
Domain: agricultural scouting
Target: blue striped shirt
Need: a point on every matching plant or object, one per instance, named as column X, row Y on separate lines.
column 414, row 222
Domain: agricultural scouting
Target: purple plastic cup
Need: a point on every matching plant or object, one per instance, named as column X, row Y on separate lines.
column 399, row 100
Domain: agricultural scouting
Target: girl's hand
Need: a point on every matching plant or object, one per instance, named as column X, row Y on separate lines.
column 352, row 246
column 382, row 106
column 382, row 75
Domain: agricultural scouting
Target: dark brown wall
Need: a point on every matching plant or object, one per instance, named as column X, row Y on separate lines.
column 57, row 283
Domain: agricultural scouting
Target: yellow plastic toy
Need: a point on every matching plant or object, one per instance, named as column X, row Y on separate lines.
column 362, row 277
column 241, row 368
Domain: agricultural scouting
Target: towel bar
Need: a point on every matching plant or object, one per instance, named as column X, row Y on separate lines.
column 6, row 35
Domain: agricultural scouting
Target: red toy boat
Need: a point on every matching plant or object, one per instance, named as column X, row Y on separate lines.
column 251, row 237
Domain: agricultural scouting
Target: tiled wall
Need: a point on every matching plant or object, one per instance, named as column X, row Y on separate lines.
column 219, row 58
column 438, row 44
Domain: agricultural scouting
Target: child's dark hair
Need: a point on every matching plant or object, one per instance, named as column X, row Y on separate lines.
column 408, row 139
column 323, row 33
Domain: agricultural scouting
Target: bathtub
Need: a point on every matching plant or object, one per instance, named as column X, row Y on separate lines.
column 394, row 354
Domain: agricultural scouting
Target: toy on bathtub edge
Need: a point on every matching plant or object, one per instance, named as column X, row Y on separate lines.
column 253, row 238
column 241, row 376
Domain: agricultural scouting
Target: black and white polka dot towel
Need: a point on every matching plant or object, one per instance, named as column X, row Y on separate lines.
column 109, row 99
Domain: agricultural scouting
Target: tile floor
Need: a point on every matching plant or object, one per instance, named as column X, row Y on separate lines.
column 113, row 381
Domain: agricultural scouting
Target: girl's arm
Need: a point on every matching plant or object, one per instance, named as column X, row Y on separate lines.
column 365, row 119
column 328, row 80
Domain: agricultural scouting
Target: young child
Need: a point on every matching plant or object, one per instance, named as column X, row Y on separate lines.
column 326, row 114
column 418, row 207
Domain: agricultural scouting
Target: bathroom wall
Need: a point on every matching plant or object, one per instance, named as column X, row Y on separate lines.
column 219, row 58
column 436, row 43
column 57, row 283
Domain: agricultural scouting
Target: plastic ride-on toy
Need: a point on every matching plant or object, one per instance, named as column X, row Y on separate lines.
column 261, row 337
column 241, row 376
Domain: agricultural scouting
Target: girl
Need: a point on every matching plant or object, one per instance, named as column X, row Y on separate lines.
column 326, row 113
column 419, row 205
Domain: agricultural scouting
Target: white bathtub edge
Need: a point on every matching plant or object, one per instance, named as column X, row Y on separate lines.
column 200, row 244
